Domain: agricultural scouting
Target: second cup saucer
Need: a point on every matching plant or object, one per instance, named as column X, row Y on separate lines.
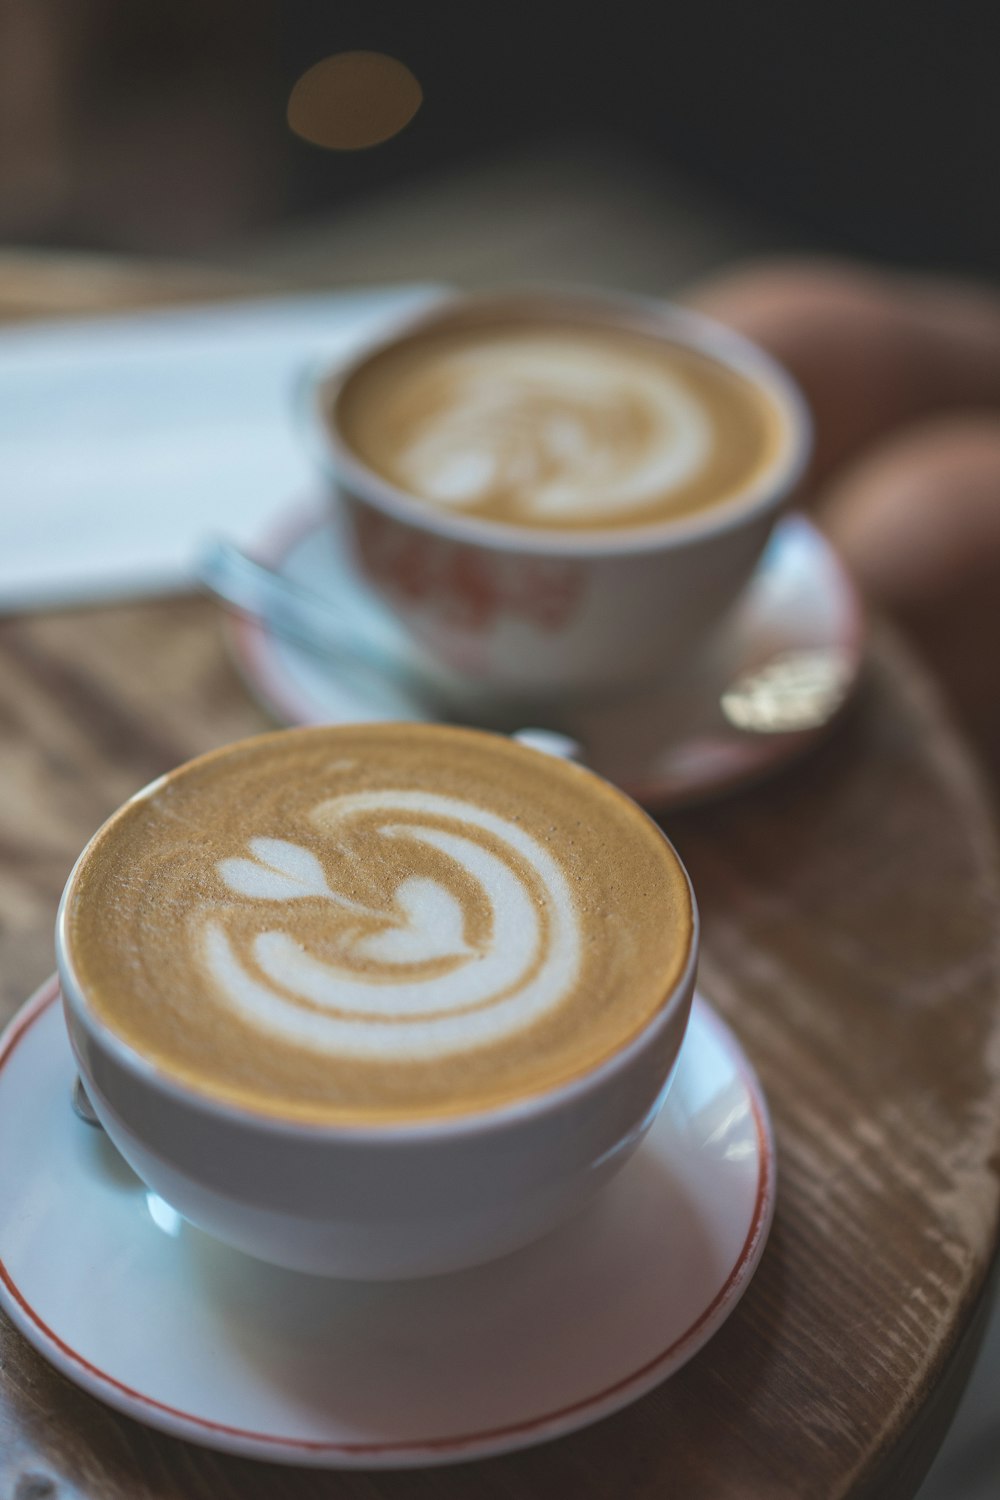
column 776, row 675
column 146, row 1313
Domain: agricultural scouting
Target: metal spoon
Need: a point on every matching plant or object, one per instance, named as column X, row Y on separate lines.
column 295, row 613
column 317, row 623
column 82, row 1106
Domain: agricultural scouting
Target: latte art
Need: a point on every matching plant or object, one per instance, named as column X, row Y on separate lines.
column 578, row 434
column 405, row 982
column 557, row 426
column 377, row 923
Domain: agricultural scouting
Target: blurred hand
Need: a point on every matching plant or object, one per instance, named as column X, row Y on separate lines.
column 903, row 377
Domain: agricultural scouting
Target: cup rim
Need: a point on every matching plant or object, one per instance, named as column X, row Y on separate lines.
column 511, row 1114
column 321, row 388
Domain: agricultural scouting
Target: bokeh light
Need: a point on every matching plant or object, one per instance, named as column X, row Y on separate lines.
column 353, row 100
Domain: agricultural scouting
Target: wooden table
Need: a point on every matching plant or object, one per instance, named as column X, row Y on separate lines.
column 851, row 924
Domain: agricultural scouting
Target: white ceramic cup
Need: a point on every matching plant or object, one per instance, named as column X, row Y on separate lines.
column 374, row 1202
column 512, row 617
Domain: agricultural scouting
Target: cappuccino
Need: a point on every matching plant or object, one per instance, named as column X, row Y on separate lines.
column 557, row 425
column 380, row 923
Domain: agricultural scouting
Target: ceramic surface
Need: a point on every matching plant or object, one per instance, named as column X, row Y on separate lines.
column 172, row 1328
column 540, row 616
column 386, row 1200
column 769, row 685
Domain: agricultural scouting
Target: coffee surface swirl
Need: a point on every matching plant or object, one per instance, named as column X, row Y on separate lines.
column 378, row 922
column 557, row 426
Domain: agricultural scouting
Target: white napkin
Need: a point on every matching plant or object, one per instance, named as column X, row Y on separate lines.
column 126, row 441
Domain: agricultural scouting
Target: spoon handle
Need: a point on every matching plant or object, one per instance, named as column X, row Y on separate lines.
column 290, row 611
column 307, row 619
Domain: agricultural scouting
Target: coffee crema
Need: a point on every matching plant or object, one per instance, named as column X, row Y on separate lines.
column 377, row 923
column 557, row 426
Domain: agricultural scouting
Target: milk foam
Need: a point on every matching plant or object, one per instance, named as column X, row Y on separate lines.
column 576, row 432
column 405, row 982
column 375, row 923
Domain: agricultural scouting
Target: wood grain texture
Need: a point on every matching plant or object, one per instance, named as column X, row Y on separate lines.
column 850, row 914
column 56, row 284
column 851, row 917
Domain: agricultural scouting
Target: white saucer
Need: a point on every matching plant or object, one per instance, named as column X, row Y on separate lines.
column 156, row 1319
column 777, row 674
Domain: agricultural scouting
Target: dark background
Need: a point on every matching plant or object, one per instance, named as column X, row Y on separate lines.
column 871, row 129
